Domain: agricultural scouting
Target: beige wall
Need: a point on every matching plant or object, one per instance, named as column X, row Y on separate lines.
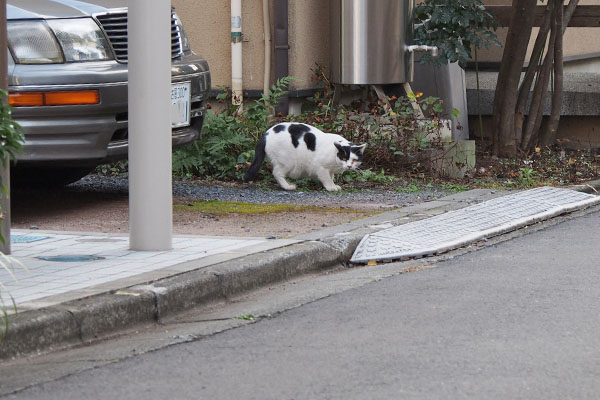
column 208, row 25
column 576, row 40
column 309, row 38
column 581, row 132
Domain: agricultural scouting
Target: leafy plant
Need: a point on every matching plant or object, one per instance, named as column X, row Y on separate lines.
column 11, row 133
column 413, row 187
column 366, row 175
column 228, row 137
column 527, row 177
column 11, row 139
column 454, row 187
column 455, row 27
column 117, row 168
column 396, row 134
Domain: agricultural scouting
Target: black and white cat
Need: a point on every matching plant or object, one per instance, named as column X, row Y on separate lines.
column 299, row 150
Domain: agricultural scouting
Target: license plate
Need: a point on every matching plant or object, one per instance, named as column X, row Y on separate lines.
column 180, row 104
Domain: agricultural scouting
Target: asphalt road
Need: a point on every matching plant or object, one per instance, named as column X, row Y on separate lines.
column 519, row 319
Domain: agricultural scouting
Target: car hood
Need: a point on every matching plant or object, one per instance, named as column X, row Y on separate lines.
column 29, row 9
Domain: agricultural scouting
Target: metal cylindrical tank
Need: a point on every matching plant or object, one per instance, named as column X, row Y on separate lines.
column 369, row 39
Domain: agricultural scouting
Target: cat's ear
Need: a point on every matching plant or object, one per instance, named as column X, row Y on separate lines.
column 338, row 146
column 359, row 149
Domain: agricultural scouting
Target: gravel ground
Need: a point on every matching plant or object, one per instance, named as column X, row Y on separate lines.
column 351, row 197
column 101, row 204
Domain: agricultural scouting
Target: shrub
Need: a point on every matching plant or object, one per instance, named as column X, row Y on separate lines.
column 11, row 139
column 394, row 132
column 455, row 27
column 229, row 137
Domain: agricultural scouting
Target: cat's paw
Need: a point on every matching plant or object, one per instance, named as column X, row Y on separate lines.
column 334, row 188
column 289, row 187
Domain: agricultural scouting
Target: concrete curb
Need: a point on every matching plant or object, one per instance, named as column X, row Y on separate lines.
column 591, row 187
column 84, row 320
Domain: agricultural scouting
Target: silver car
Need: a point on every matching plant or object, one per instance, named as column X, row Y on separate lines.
column 67, row 74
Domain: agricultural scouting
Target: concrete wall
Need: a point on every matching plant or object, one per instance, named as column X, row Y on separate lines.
column 309, row 39
column 575, row 132
column 576, row 40
column 207, row 23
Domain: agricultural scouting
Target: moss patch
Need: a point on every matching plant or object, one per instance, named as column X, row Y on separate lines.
column 215, row 207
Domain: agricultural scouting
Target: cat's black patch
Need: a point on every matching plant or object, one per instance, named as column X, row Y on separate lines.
column 278, row 128
column 296, row 131
column 343, row 152
column 296, row 138
column 311, row 140
column 356, row 150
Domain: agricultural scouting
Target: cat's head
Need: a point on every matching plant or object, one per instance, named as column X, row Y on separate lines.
column 349, row 156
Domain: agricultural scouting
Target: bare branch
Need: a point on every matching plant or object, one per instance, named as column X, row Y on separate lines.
column 513, row 57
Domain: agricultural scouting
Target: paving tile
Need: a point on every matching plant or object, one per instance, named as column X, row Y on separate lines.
column 49, row 278
column 460, row 227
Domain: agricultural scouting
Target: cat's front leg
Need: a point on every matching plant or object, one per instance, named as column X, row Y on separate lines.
column 280, row 178
column 326, row 179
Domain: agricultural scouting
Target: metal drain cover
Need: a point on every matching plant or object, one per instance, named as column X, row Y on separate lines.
column 26, row 238
column 458, row 228
column 70, row 258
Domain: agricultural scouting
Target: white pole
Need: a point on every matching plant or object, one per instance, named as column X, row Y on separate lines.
column 237, row 93
column 150, row 185
column 267, row 34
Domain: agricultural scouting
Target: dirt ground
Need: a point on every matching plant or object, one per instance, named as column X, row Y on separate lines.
column 65, row 210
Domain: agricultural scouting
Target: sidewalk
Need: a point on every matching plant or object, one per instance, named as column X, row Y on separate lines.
column 63, row 266
column 102, row 287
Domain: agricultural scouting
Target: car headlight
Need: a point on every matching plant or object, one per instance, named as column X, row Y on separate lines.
column 57, row 41
column 81, row 39
column 31, row 42
column 185, row 42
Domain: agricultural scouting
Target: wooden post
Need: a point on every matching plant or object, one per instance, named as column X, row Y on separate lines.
column 4, row 172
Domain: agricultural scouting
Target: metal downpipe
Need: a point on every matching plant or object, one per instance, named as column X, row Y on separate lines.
column 237, row 85
column 267, row 35
column 281, row 50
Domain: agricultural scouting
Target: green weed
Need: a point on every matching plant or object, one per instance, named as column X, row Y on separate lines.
column 414, row 187
column 367, row 175
column 454, row 187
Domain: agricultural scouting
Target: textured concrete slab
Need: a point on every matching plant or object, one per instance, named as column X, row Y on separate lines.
column 581, row 93
column 60, row 266
column 460, row 227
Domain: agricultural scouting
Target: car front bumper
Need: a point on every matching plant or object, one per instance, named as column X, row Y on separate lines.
column 91, row 134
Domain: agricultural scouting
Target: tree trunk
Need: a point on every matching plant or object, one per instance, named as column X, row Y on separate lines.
column 549, row 133
column 538, row 100
column 521, row 24
column 530, row 74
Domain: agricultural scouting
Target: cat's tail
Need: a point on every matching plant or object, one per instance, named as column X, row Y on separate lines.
column 259, row 157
